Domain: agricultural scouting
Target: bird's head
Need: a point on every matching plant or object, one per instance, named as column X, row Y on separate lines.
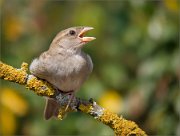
column 71, row 39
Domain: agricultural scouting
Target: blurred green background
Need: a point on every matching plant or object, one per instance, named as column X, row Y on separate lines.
column 135, row 56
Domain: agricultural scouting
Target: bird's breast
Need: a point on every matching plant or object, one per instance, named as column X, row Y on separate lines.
column 71, row 73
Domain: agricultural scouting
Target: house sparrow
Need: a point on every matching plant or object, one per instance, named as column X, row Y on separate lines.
column 64, row 64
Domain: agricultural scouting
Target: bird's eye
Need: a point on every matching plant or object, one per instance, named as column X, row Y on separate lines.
column 72, row 32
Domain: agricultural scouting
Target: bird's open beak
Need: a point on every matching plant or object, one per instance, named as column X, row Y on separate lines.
column 86, row 39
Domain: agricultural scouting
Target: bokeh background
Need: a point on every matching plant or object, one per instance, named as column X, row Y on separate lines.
column 136, row 63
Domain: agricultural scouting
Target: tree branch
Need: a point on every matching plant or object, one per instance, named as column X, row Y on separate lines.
column 120, row 125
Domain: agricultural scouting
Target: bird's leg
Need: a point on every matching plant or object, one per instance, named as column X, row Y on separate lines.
column 72, row 95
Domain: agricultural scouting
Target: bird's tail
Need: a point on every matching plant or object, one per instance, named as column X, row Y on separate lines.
column 51, row 108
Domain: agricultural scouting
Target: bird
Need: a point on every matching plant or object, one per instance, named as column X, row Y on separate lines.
column 64, row 65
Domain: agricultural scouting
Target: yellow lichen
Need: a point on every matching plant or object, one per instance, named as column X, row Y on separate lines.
column 20, row 76
column 62, row 113
column 86, row 108
column 15, row 75
column 24, row 66
column 121, row 126
column 40, row 87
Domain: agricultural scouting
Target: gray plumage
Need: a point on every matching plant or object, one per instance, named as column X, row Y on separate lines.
column 64, row 65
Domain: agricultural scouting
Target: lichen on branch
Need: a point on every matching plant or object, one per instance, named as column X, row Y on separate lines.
column 21, row 76
column 121, row 126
